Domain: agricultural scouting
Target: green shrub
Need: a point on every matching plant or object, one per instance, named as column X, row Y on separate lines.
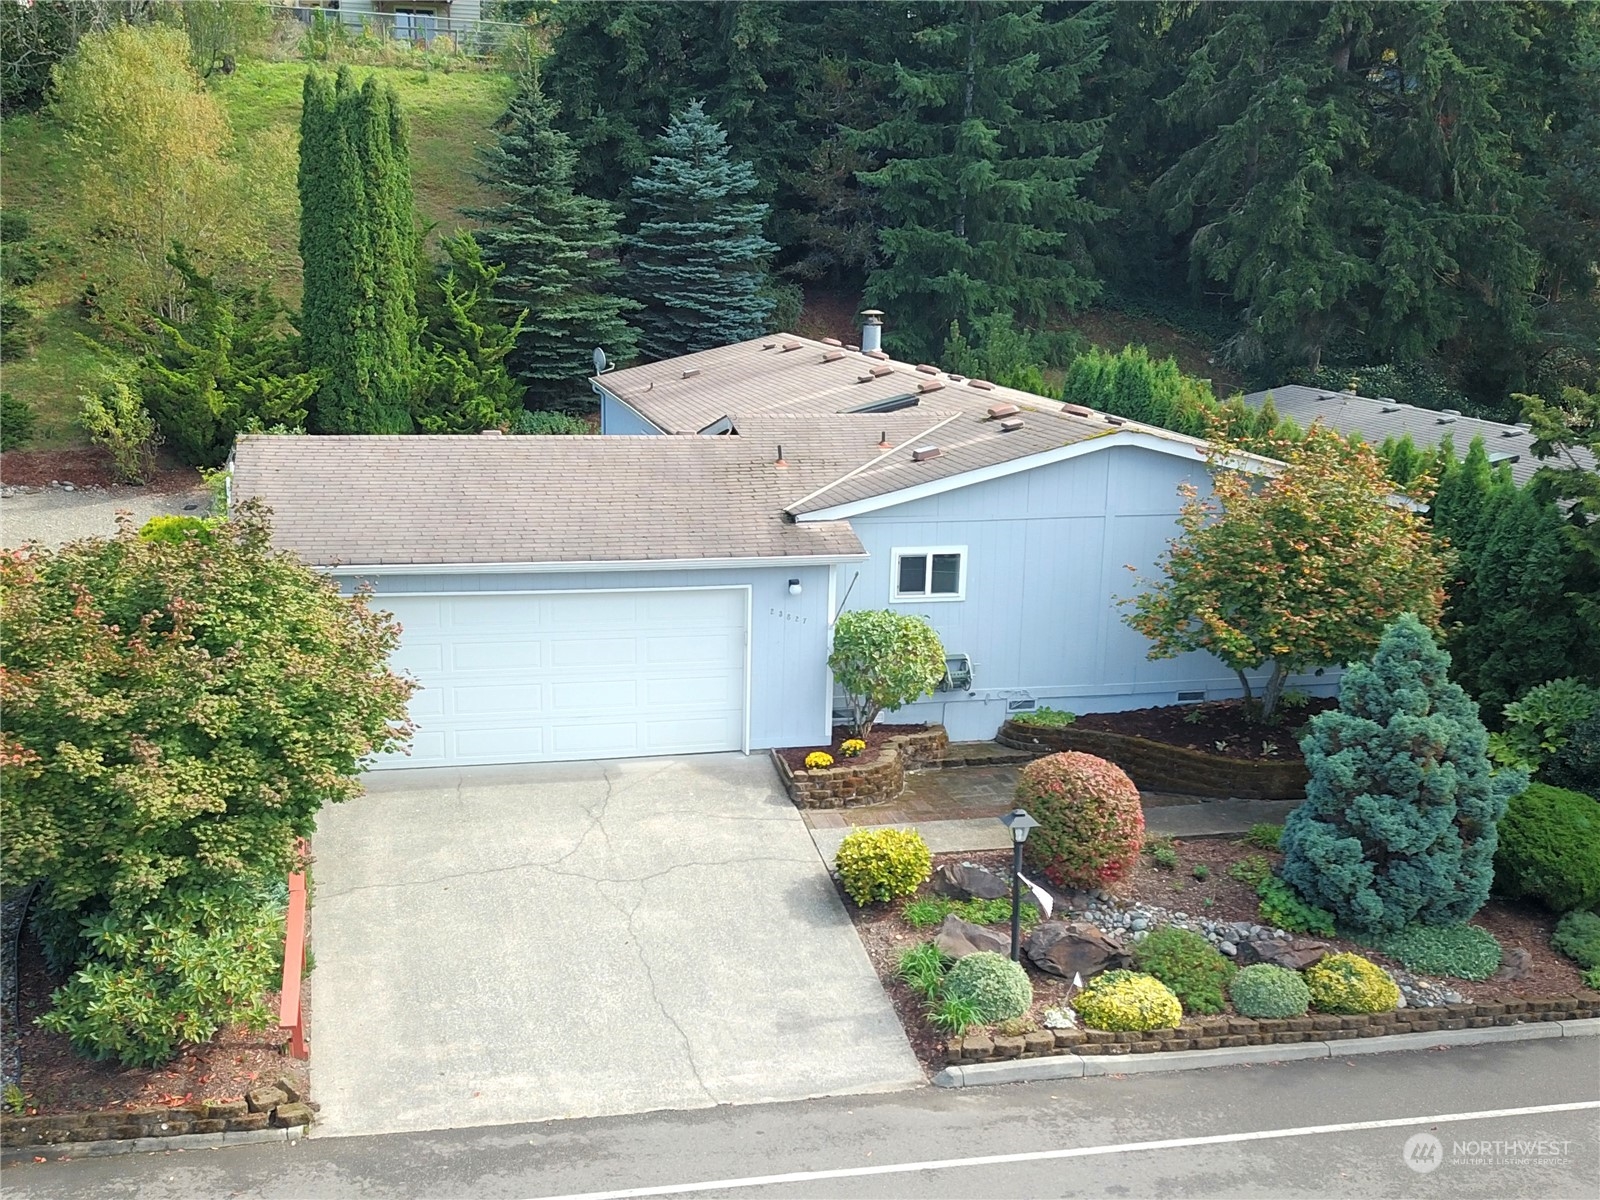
column 174, row 529
column 1591, row 979
column 1282, row 907
column 1540, row 723
column 922, row 968
column 1576, row 765
column 1264, row 835
column 1192, row 967
column 880, row 864
column 1550, row 849
column 1091, row 825
column 1251, row 870
column 884, row 660
column 1201, row 872
column 1460, row 951
column 929, row 911
column 1127, row 1001
column 116, row 418
column 954, row 1015
column 1577, row 935
column 1045, row 718
column 1348, row 983
column 1398, row 824
column 529, row 421
column 1269, row 992
column 17, row 422
column 173, row 974
column 995, row 986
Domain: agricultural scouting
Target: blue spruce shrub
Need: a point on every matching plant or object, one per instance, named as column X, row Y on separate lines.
column 1399, row 821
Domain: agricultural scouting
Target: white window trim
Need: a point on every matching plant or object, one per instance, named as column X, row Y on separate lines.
column 899, row 552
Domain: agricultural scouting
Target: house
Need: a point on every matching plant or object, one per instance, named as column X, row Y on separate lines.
column 670, row 585
column 1378, row 419
column 417, row 21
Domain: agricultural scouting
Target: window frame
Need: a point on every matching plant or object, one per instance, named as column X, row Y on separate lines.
column 896, row 596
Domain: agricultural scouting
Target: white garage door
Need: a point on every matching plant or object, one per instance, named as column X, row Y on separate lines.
column 554, row 676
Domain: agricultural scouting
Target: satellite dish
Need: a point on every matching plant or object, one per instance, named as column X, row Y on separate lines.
column 599, row 361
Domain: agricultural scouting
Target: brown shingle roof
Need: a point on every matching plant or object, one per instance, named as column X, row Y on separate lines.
column 401, row 500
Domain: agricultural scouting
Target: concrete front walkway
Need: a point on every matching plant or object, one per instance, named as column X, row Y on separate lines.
column 497, row 945
column 955, row 810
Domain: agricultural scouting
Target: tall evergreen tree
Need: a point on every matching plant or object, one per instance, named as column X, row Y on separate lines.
column 555, row 253
column 358, row 243
column 983, row 190
column 698, row 263
column 465, row 386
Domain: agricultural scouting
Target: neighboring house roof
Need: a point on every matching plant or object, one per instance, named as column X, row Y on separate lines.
column 1378, row 419
column 399, row 500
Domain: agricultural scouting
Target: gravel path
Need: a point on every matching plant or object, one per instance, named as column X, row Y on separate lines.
column 54, row 515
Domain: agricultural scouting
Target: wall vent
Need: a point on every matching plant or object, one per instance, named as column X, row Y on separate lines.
column 1021, row 705
column 1190, row 697
column 926, row 453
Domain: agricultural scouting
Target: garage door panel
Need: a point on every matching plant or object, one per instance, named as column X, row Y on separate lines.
column 572, row 675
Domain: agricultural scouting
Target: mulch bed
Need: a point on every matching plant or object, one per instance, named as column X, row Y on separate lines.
column 795, row 756
column 85, row 467
column 1225, row 727
column 885, row 936
column 57, row 1079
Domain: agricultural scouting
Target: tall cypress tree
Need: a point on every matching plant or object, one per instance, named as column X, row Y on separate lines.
column 698, row 263
column 983, row 190
column 358, row 244
column 555, row 252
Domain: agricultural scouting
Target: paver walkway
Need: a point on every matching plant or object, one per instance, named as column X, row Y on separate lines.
column 955, row 810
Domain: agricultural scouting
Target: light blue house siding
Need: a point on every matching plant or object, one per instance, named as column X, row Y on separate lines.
column 789, row 682
column 617, row 417
column 1048, row 552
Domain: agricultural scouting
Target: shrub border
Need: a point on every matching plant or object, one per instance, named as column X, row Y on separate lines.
column 857, row 781
column 1158, row 767
column 1212, row 1033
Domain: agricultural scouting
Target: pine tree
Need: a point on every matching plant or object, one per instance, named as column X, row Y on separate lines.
column 983, row 190
column 698, row 263
column 465, row 386
column 358, row 244
column 554, row 253
column 1398, row 824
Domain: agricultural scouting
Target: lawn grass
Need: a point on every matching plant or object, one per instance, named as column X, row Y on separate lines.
column 450, row 114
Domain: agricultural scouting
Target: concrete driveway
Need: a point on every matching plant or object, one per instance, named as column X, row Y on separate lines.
column 504, row 944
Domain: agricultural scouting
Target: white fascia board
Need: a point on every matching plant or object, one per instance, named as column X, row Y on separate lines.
column 605, row 393
column 573, row 568
column 1138, row 438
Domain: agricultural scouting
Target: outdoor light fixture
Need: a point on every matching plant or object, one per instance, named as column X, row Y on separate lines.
column 1019, row 823
column 794, row 587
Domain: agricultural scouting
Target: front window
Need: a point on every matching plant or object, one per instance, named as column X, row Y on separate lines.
column 930, row 573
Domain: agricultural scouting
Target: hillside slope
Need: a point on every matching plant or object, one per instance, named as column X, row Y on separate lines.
column 449, row 112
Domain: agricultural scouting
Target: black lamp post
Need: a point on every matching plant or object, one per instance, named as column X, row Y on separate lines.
column 1019, row 823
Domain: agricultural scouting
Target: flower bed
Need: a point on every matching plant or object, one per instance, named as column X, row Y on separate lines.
column 872, row 777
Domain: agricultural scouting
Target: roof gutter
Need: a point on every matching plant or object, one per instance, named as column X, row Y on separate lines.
column 589, row 567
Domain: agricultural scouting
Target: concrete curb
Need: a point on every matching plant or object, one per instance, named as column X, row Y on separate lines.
column 1080, row 1066
column 55, row 1151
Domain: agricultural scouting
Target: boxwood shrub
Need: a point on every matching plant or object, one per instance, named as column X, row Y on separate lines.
column 1577, row 936
column 1268, row 991
column 1550, row 849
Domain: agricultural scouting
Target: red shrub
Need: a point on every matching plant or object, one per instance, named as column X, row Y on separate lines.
column 1091, row 827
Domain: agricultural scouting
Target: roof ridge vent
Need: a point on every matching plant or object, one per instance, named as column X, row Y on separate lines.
column 1444, row 419
column 832, row 342
column 996, row 411
column 867, row 378
column 1077, row 410
column 833, row 356
column 1388, row 408
column 926, row 453
column 788, row 346
column 929, row 385
column 926, row 369
column 1453, row 412
column 880, row 372
column 983, row 385
column 691, row 373
column 768, row 345
column 1110, row 420
column 1011, row 425
column 874, row 354
column 1512, row 432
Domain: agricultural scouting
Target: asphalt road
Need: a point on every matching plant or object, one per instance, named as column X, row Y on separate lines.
column 1298, row 1129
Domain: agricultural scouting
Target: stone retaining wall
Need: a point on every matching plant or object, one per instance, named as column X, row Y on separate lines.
column 870, row 779
column 1157, row 767
column 1209, row 1033
column 279, row 1107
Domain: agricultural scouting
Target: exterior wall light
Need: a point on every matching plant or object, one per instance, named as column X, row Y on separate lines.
column 794, row 587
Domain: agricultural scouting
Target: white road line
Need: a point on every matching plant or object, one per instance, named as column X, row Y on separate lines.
column 989, row 1160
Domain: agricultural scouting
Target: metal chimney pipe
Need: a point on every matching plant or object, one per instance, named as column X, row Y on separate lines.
column 871, row 330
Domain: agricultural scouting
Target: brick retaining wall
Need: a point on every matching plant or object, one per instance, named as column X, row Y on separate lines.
column 210, row 1116
column 1158, row 767
column 1209, row 1033
column 865, row 780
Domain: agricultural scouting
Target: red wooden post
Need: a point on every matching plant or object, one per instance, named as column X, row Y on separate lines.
column 290, row 1018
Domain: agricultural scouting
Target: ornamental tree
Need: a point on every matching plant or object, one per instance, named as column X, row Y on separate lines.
column 176, row 715
column 1399, row 821
column 884, row 660
column 1300, row 570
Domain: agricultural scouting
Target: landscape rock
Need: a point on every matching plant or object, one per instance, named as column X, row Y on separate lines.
column 289, row 1115
column 264, row 1099
column 1068, row 948
column 1515, row 964
column 1295, row 955
column 959, row 938
column 965, row 881
column 287, row 1087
